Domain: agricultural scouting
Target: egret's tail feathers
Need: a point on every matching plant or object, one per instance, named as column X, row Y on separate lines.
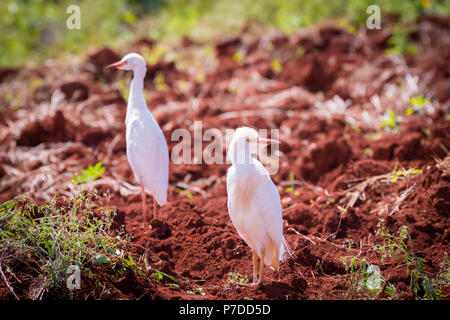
column 275, row 261
column 274, row 254
column 288, row 250
column 159, row 195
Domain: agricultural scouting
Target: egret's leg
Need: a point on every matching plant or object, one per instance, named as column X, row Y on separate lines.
column 144, row 205
column 261, row 268
column 155, row 209
column 255, row 264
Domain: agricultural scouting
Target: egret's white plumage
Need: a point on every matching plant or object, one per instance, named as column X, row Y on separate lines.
column 254, row 203
column 147, row 150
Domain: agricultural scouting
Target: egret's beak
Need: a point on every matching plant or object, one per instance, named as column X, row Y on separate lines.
column 115, row 65
column 265, row 141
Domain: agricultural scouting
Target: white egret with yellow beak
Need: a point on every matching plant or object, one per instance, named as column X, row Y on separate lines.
column 147, row 150
column 254, row 203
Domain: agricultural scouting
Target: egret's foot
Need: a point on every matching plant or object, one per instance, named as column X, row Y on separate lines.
column 257, row 285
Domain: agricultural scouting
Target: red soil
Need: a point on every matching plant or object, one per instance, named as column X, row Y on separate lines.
column 193, row 239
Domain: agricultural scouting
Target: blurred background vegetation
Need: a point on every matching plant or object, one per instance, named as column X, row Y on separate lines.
column 34, row 30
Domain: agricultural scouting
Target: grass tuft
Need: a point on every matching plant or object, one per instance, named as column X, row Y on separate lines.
column 52, row 237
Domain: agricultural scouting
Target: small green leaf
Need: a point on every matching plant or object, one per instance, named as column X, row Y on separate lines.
column 237, row 57
column 198, row 291
column 102, row 259
column 129, row 262
column 112, row 251
column 390, row 120
column 419, row 101
column 409, row 111
column 174, row 286
column 276, row 66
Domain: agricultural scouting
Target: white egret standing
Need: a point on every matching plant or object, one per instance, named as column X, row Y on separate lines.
column 147, row 150
column 254, row 203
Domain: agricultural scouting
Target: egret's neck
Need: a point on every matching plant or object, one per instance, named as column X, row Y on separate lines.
column 239, row 156
column 136, row 98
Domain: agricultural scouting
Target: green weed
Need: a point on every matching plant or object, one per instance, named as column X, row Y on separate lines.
column 54, row 237
column 399, row 44
column 417, row 104
column 197, row 291
column 160, row 82
column 237, row 278
column 90, row 173
column 400, row 247
column 391, row 120
column 396, row 174
column 291, row 188
column 276, row 66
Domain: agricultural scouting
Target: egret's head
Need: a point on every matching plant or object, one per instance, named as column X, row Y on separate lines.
column 131, row 61
column 246, row 142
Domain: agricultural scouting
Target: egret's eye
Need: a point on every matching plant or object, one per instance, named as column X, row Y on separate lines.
column 247, row 139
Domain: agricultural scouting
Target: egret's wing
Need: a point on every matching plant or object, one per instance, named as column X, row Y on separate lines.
column 236, row 213
column 231, row 192
column 268, row 200
column 149, row 156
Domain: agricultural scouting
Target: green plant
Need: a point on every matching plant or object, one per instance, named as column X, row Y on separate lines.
column 391, row 120
column 237, row 278
column 399, row 44
column 442, row 279
column 366, row 278
column 54, row 237
column 90, row 173
column 35, row 30
column 185, row 192
column 348, row 244
column 291, row 188
column 237, row 57
column 276, row 66
column 160, row 276
column 402, row 173
column 160, row 82
column 351, row 126
column 400, row 247
column 155, row 54
column 197, row 291
column 417, row 103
